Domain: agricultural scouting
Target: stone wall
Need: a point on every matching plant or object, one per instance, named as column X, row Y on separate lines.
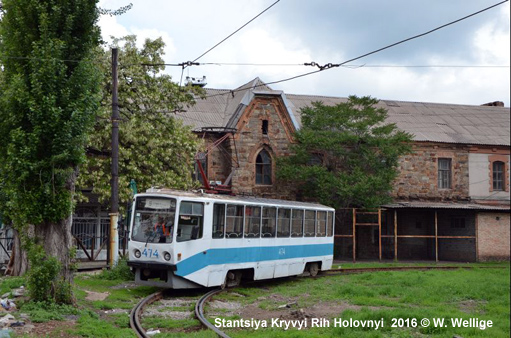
column 250, row 140
column 418, row 173
column 493, row 236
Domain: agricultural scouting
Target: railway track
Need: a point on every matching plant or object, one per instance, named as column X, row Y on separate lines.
column 402, row 268
column 199, row 313
column 136, row 312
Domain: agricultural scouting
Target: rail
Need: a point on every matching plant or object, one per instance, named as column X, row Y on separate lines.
column 199, row 312
column 136, row 312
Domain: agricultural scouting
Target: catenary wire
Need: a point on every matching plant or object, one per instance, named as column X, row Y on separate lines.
column 330, row 65
column 236, row 31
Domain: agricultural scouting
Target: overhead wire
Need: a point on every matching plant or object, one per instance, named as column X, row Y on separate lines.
column 331, row 65
column 236, row 31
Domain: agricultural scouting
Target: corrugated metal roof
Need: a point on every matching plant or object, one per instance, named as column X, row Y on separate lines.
column 433, row 122
column 462, row 206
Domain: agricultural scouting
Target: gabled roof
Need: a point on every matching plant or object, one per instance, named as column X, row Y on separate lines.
column 434, row 122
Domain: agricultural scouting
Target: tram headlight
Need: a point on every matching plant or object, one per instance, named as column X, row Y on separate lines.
column 138, row 253
column 166, row 255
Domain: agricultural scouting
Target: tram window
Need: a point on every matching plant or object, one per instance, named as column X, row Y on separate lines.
column 310, row 223
column 154, row 220
column 321, row 223
column 269, row 222
column 218, row 220
column 297, row 225
column 284, row 223
column 234, row 221
column 330, row 224
column 191, row 215
column 252, row 221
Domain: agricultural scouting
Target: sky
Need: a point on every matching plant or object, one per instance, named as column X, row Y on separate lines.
column 294, row 32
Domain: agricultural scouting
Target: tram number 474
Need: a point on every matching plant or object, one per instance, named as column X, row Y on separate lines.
column 150, row 253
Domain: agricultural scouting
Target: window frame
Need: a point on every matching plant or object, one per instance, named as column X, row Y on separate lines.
column 306, row 223
column 263, row 168
column 330, row 225
column 289, row 221
column 234, row 218
column 223, row 221
column 273, row 229
column 319, row 223
column 444, row 181
column 501, row 172
column 200, row 226
column 248, row 222
column 293, row 211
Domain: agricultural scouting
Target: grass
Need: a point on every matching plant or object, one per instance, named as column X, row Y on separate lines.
column 476, row 293
column 9, row 283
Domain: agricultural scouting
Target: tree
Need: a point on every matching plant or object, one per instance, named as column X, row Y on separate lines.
column 155, row 148
column 346, row 155
column 50, row 94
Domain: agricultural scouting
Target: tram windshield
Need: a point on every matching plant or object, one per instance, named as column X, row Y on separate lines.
column 154, row 220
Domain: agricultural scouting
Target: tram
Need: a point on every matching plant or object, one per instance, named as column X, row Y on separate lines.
column 192, row 239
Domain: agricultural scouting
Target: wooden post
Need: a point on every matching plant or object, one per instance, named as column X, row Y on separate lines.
column 436, row 236
column 354, row 236
column 395, row 235
column 379, row 233
column 477, row 238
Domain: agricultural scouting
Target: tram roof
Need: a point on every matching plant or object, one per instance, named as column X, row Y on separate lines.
column 229, row 198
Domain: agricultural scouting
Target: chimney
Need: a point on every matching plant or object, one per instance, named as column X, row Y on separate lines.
column 494, row 104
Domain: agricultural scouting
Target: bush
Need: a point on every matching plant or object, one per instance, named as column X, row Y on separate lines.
column 120, row 272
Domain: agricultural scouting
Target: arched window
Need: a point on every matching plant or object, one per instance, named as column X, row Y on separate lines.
column 498, row 175
column 263, row 168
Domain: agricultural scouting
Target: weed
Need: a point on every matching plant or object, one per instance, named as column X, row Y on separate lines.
column 9, row 283
column 119, row 272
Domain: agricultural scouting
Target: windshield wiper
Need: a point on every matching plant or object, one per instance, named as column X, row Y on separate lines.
column 151, row 237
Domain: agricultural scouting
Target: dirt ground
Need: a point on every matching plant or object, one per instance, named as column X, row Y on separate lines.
column 282, row 308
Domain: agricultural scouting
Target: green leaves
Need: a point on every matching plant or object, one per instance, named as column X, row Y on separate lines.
column 156, row 149
column 50, row 89
column 355, row 154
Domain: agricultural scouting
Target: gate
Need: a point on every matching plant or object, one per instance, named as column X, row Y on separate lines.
column 91, row 231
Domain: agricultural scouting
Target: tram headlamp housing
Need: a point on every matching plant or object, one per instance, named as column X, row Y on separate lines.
column 166, row 255
column 137, row 253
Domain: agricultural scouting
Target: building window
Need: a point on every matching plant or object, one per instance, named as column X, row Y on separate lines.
column 498, row 175
column 265, row 127
column 444, row 173
column 202, row 158
column 263, row 168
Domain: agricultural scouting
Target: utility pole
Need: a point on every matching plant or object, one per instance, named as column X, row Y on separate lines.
column 114, row 209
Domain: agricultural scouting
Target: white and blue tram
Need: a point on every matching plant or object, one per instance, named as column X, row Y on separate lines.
column 191, row 240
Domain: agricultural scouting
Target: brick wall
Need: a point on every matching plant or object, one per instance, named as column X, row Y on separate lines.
column 493, row 236
column 418, row 173
column 250, row 140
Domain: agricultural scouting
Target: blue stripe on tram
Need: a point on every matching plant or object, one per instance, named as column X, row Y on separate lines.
column 251, row 254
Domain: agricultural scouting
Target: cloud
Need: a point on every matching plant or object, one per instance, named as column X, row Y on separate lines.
column 332, row 31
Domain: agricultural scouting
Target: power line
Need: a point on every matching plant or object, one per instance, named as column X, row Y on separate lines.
column 331, row 65
column 236, row 31
column 256, row 64
column 425, row 33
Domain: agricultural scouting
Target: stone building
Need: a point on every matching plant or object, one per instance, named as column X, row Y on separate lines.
column 451, row 199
